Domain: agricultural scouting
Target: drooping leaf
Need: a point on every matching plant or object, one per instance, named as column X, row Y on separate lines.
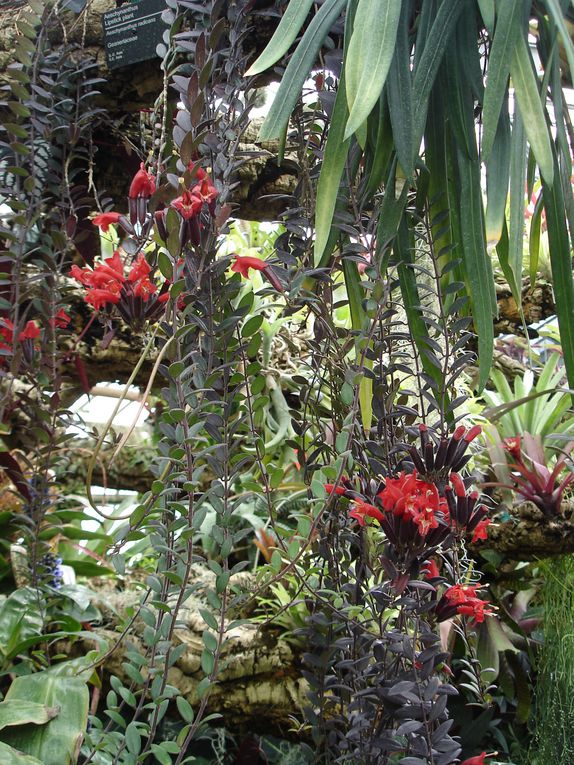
column 400, row 97
column 298, row 69
column 561, row 263
column 22, row 711
column 477, row 266
column 518, row 162
column 508, row 28
column 426, row 67
column 283, row 37
column 531, row 107
column 497, row 173
column 369, row 57
column 11, row 756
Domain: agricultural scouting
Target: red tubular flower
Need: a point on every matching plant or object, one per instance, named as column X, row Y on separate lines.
column 61, row 319
column 99, row 298
column 142, row 185
column 361, row 510
column 462, row 599
column 412, row 499
column 430, row 570
column 330, row 489
column 480, row 532
column 30, row 332
column 105, row 220
column 478, row 760
column 188, row 204
column 513, row 446
column 244, row 262
column 198, row 172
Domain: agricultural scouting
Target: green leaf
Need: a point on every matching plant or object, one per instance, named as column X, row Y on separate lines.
column 20, row 712
column 534, row 238
column 531, row 108
column 558, row 17
column 369, row 57
column 497, row 173
column 477, row 266
column 561, row 263
column 355, row 296
column 283, row 37
column 427, row 65
column 518, row 162
column 508, row 29
column 400, row 97
column 57, row 742
column 10, row 756
column 298, row 69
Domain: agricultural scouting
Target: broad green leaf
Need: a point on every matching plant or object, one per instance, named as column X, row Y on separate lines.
column 427, row 67
column 530, row 105
column 11, row 756
column 487, row 13
column 283, row 37
column 508, row 29
column 400, row 97
column 459, row 102
column 58, row 741
column 20, row 712
column 477, row 266
column 298, row 69
column 497, row 173
column 561, row 263
column 518, row 162
column 369, row 57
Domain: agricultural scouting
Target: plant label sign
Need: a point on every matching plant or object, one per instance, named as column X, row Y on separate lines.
column 132, row 32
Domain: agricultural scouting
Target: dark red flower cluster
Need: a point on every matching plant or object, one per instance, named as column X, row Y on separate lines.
column 434, row 461
column 462, row 599
column 190, row 205
column 466, row 516
column 108, row 285
column 414, row 500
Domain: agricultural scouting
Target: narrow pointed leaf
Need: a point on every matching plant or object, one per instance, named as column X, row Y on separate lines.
column 508, row 28
column 530, row 105
column 561, row 262
column 426, row 70
column 298, row 69
column 355, row 296
column 534, row 238
column 283, row 37
column 518, row 162
column 558, row 18
column 369, row 57
column 400, row 97
column 497, row 173
column 477, row 266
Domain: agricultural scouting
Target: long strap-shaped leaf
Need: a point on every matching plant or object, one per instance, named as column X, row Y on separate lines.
column 298, row 69
column 557, row 15
column 561, row 262
column 400, row 97
column 508, row 28
column 518, row 161
column 369, row 57
column 477, row 266
column 283, row 37
column 429, row 62
column 531, row 108
column 497, row 172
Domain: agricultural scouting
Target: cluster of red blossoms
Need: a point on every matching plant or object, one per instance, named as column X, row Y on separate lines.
column 411, row 500
column 26, row 336
column 462, row 599
column 108, row 285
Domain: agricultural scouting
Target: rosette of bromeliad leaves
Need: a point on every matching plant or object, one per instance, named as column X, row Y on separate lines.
column 432, row 97
column 391, row 546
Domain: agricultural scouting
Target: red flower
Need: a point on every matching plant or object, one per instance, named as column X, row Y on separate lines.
column 513, row 446
column 461, row 599
column 30, row 332
column 105, row 220
column 360, row 510
column 430, row 570
column 7, row 332
column 412, row 499
column 244, row 262
column 199, row 173
column 188, row 204
column 100, row 297
column 478, row 760
column 480, row 531
column 207, row 191
column 143, row 184
column 61, row 319
column 330, row 489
